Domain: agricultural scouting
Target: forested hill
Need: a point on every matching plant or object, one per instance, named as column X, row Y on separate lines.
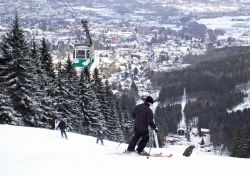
column 211, row 85
column 216, row 54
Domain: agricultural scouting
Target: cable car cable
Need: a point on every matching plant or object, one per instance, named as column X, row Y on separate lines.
column 73, row 13
column 83, row 54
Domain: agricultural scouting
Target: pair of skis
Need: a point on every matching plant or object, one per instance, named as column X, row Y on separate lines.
column 160, row 155
column 150, row 154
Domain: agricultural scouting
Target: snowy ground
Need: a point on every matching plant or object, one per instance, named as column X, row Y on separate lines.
column 38, row 152
column 236, row 27
column 245, row 104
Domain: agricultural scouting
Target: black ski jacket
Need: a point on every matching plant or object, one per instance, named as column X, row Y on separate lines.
column 100, row 134
column 61, row 125
column 143, row 116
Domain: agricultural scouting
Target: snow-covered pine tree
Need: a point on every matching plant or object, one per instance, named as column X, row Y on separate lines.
column 127, row 126
column 47, row 83
column 90, row 106
column 121, row 118
column 114, row 130
column 46, row 60
column 70, row 83
column 44, row 119
column 87, row 74
column 241, row 144
column 126, row 122
column 63, row 99
column 7, row 114
column 36, row 62
column 100, row 94
column 17, row 80
column 70, row 72
column 126, row 105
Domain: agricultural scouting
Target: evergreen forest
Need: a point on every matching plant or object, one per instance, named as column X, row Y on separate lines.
column 37, row 93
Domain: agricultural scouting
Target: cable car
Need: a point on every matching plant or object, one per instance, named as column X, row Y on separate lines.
column 83, row 54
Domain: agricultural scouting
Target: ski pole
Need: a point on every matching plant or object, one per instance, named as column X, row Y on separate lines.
column 150, row 148
column 149, row 151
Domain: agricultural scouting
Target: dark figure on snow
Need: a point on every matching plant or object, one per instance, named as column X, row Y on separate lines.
column 188, row 151
column 143, row 117
column 100, row 136
column 62, row 127
column 187, row 135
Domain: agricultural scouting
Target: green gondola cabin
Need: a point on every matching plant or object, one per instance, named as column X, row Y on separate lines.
column 83, row 55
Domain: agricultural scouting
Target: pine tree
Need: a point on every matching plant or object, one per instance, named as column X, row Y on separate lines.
column 100, row 94
column 15, row 76
column 133, row 90
column 46, row 60
column 69, row 79
column 44, row 104
column 70, row 71
column 63, row 99
column 202, row 142
column 87, row 74
column 127, row 126
column 47, row 83
column 90, row 107
column 136, row 71
column 125, row 105
column 122, row 123
column 34, row 56
column 113, row 125
column 7, row 114
column 241, row 145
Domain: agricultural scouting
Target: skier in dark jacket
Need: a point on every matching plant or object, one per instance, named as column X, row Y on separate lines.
column 62, row 127
column 143, row 116
column 100, row 136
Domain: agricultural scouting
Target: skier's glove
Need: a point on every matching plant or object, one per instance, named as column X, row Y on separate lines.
column 157, row 130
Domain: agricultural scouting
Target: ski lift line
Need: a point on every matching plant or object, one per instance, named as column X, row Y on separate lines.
column 74, row 14
column 71, row 8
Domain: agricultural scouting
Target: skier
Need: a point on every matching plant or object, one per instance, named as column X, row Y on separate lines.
column 100, row 136
column 62, row 127
column 143, row 116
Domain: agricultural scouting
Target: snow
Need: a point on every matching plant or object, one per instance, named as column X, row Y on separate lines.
column 101, row 11
column 201, row 7
column 234, row 27
column 29, row 151
column 244, row 105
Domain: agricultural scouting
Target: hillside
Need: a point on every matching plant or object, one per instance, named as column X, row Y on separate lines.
column 214, row 87
column 28, row 151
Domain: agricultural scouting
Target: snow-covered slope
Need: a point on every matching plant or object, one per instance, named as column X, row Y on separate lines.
column 40, row 152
